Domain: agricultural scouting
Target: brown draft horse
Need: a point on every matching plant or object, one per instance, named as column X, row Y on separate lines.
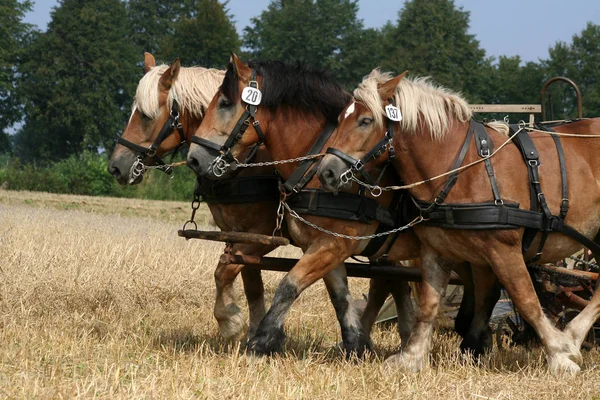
column 296, row 105
column 427, row 141
column 193, row 88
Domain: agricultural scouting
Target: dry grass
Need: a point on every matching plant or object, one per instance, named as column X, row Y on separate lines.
column 103, row 305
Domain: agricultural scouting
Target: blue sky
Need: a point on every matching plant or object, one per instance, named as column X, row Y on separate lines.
column 510, row 27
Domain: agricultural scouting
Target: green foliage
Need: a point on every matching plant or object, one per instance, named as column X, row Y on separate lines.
column 77, row 80
column 200, row 32
column 205, row 36
column 431, row 38
column 323, row 33
column 579, row 61
column 14, row 36
column 87, row 174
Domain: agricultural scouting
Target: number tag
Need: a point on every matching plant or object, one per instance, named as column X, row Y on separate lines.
column 251, row 95
column 393, row 113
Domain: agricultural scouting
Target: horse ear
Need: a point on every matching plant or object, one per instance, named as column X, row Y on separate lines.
column 170, row 75
column 387, row 89
column 242, row 71
column 149, row 61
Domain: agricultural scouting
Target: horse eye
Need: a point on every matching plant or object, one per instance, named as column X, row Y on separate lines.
column 365, row 121
column 145, row 117
column 224, row 103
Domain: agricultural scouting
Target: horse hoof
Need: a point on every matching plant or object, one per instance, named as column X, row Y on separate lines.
column 405, row 362
column 563, row 364
column 266, row 343
column 232, row 326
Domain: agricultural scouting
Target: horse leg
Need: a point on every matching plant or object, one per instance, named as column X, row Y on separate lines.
column 478, row 340
column 404, row 308
column 255, row 295
column 314, row 265
column 436, row 274
column 579, row 327
column 463, row 319
column 378, row 293
column 353, row 338
column 511, row 270
column 226, row 311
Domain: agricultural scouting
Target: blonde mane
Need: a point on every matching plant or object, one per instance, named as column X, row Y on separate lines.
column 422, row 103
column 194, row 88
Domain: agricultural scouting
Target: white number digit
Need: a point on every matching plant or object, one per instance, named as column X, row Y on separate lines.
column 393, row 113
column 252, row 95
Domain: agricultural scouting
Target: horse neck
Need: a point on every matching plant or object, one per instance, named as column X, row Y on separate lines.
column 289, row 134
column 420, row 157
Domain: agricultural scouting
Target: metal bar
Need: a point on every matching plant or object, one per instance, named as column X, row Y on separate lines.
column 507, row 108
column 573, row 85
column 353, row 269
column 234, row 237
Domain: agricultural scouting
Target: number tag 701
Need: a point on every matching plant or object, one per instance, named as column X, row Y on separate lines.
column 251, row 95
column 393, row 113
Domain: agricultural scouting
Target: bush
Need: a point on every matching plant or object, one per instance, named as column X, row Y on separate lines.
column 87, row 174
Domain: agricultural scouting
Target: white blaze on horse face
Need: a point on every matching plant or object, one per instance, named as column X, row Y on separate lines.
column 132, row 112
column 349, row 110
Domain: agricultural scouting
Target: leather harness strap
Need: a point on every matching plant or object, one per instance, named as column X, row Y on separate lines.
column 239, row 190
column 499, row 215
column 299, row 178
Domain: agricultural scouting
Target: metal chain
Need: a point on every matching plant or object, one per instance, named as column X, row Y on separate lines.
column 195, row 205
column 341, row 235
column 586, row 263
column 270, row 163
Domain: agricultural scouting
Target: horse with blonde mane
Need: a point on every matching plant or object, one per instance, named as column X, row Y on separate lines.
column 189, row 90
column 296, row 107
column 432, row 137
column 165, row 92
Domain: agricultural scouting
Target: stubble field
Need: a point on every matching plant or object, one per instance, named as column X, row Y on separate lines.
column 99, row 298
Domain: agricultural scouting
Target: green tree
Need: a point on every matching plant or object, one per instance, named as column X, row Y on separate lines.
column 322, row 33
column 14, row 36
column 205, row 35
column 77, row 80
column 151, row 21
column 579, row 61
column 431, row 38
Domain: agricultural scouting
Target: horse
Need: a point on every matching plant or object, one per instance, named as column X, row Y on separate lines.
column 297, row 104
column 191, row 89
column 433, row 130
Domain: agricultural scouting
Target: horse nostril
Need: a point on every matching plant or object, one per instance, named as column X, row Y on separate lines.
column 114, row 171
column 329, row 174
column 193, row 163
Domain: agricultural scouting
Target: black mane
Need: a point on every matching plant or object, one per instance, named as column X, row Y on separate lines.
column 308, row 89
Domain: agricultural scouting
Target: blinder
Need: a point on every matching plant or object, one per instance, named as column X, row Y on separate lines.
column 146, row 153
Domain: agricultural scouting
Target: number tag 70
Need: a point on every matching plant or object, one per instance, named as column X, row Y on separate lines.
column 251, row 95
column 393, row 113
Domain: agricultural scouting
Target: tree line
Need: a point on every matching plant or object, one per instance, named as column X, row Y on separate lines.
column 67, row 91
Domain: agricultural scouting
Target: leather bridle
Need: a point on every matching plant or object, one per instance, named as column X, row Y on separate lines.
column 225, row 158
column 358, row 166
column 149, row 153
